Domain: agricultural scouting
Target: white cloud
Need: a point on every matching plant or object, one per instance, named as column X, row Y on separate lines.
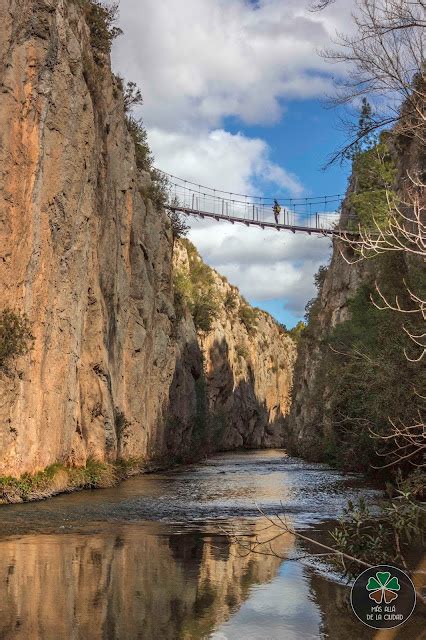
column 201, row 61
column 264, row 264
column 219, row 159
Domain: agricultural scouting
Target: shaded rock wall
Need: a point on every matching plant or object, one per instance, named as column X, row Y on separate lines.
column 310, row 425
column 248, row 373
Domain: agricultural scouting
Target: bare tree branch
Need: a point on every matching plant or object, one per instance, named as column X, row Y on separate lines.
column 386, row 59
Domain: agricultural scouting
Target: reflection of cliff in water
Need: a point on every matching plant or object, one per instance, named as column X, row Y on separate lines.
column 125, row 585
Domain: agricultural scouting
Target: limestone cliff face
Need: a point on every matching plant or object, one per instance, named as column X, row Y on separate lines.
column 248, row 368
column 84, row 254
column 310, row 422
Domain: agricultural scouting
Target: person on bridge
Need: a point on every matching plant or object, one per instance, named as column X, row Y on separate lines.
column 277, row 210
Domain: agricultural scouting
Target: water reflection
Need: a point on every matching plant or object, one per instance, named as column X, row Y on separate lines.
column 130, row 584
column 149, row 559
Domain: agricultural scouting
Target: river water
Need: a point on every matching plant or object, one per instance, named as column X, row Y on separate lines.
column 151, row 559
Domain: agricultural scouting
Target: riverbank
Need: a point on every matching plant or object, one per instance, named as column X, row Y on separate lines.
column 58, row 479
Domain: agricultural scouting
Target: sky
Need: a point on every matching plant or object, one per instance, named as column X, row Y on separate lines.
column 234, row 99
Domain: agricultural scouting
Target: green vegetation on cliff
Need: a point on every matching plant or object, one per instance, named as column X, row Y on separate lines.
column 16, row 338
column 101, row 19
column 364, row 380
column 195, row 290
column 365, row 377
column 373, row 176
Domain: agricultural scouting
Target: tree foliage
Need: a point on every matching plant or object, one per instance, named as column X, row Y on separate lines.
column 16, row 338
column 366, row 376
column 366, row 136
column 373, row 176
column 231, row 300
column 295, row 333
column 101, row 18
column 196, row 291
column 385, row 60
column 383, row 537
column 178, row 222
column 249, row 317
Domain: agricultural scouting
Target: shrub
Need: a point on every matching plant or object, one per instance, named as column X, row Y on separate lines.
column 200, row 435
column 231, row 300
column 368, row 377
column 16, row 338
column 374, row 173
column 57, row 479
column 182, row 293
column 179, row 226
column 242, row 351
column 158, row 190
column 196, row 290
column 132, row 96
column 313, row 306
column 204, row 311
column 121, row 426
column 249, row 317
column 144, row 158
column 381, row 538
column 296, row 332
column 101, row 19
column 201, row 274
column 319, row 277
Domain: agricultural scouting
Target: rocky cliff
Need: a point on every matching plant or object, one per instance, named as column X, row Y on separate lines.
column 247, row 359
column 356, row 369
column 113, row 372
column 310, row 425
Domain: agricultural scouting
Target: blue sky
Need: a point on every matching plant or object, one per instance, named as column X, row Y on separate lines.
column 303, row 140
column 233, row 99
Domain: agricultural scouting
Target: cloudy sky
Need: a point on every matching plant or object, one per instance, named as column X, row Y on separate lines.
column 233, row 94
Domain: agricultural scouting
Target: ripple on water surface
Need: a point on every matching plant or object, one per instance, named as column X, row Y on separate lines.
column 226, row 486
column 149, row 560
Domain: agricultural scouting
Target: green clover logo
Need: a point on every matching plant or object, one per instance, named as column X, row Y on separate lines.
column 383, row 587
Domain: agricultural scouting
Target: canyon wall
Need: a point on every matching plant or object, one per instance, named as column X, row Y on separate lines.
column 309, row 421
column 248, row 364
column 356, row 369
column 113, row 373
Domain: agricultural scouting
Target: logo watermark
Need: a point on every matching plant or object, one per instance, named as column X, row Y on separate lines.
column 383, row 597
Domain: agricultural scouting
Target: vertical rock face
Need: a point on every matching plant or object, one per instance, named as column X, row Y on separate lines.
column 87, row 258
column 248, row 370
column 308, row 426
column 82, row 252
column 310, row 422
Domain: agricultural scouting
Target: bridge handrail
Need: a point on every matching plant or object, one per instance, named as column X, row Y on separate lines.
column 329, row 199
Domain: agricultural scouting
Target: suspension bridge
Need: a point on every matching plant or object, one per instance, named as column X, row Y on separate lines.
column 316, row 215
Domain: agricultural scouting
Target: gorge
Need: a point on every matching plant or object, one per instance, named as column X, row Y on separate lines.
column 130, row 366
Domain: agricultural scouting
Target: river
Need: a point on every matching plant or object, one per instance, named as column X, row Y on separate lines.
column 151, row 559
